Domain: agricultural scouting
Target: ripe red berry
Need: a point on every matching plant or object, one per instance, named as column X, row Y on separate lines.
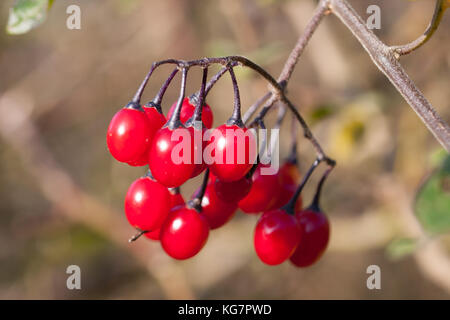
column 233, row 191
column 276, row 236
column 289, row 177
column 157, row 119
column 141, row 161
column 263, row 193
column 187, row 110
column 184, row 233
column 315, row 235
column 141, row 209
column 216, row 211
column 241, row 143
column 199, row 145
column 176, row 199
column 162, row 164
column 153, row 235
column 129, row 135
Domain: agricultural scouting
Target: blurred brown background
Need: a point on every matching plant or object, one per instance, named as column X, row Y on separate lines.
column 61, row 193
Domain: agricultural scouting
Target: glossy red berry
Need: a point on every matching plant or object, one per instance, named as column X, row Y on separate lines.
column 187, row 110
column 199, row 145
column 157, row 119
column 147, row 204
column 153, row 235
column 129, row 135
column 277, row 234
column 233, row 191
column 184, row 233
column 163, row 165
column 241, row 142
column 264, row 192
column 141, row 161
column 176, row 199
column 315, row 235
column 289, row 177
column 216, row 211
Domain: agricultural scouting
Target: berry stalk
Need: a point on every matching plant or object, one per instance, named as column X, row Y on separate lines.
column 290, row 206
column 158, row 98
column 174, row 121
column 235, row 118
column 196, row 202
column 197, row 116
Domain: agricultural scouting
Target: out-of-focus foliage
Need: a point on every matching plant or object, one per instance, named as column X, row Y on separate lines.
column 433, row 200
column 400, row 248
column 26, row 15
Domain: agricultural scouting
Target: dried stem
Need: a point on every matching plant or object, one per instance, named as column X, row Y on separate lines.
column 201, row 97
column 236, row 118
column 290, row 206
column 385, row 59
column 174, row 121
column 215, row 78
column 321, row 10
column 196, row 201
column 157, row 100
column 432, row 27
column 255, row 106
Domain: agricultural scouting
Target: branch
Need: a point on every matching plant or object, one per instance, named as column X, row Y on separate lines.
column 435, row 21
column 385, row 60
column 289, row 66
column 321, row 10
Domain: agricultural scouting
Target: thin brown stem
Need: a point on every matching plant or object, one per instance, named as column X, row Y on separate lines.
column 439, row 10
column 321, row 10
column 255, row 106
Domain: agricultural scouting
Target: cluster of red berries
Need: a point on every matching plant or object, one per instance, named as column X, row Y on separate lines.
column 141, row 135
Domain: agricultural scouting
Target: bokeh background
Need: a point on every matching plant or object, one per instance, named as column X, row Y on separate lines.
column 61, row 193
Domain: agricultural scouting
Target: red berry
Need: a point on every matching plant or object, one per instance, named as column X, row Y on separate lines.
column 216, row 211
column 129, row 135
column 276, row 236
column 233, row 191
column 199, row 146
column 176, row 199
column 289, row 177
column 141, row 161
column 147, row 204
column 187, row 110
column 263, row 193
column 162, row 164
column 315, row 236
column 241, row 142
column 156, row 118
column 153, row 235
column 184, row 233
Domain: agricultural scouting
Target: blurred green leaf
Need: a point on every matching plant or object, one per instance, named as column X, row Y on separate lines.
column 437, row 157
column 432, row 205
column 321, row 112
column 26, row 15
column 400, row 248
